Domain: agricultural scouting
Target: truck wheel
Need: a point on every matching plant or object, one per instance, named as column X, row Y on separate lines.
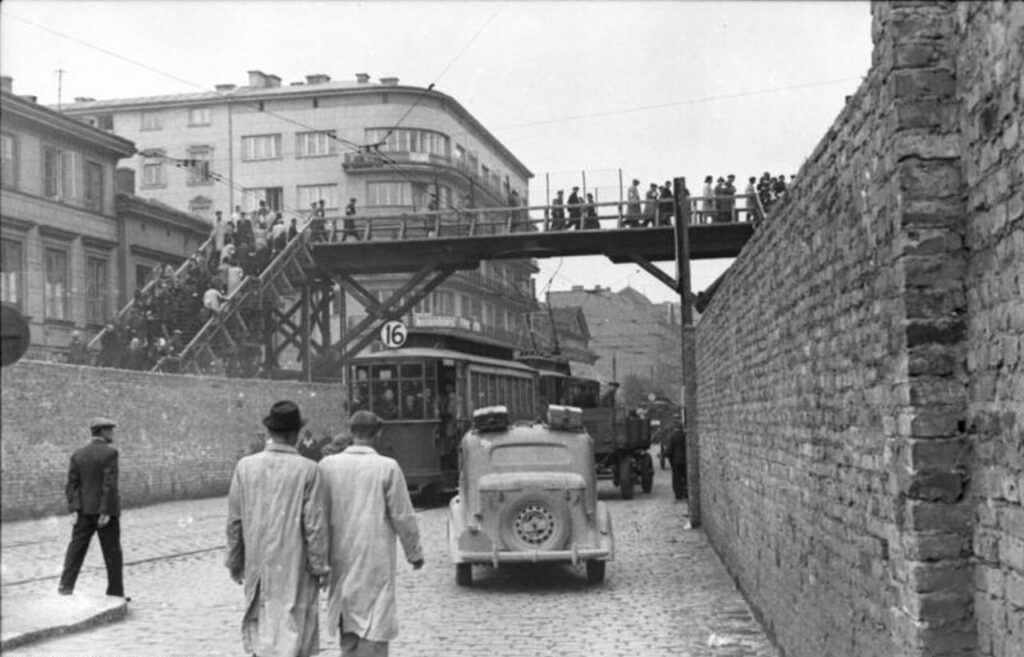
column 626, row 476
column 595, row 572
column 647, row 473
column 464, row 574
column 536, row 521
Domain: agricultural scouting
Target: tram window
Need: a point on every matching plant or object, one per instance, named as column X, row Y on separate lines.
column 502, row 391
column 360, row 397
column 385, row 372
column 362, row 373
column 412, row 371
column 411, row 394
column 384, row 403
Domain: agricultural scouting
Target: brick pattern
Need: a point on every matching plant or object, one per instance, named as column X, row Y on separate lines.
column 859, row 380
column 179, row 436
column 991, row 83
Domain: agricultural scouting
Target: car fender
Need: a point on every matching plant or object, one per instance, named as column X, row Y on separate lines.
column 606, row 535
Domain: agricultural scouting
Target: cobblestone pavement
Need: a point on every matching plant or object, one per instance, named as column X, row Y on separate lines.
column 666, row 594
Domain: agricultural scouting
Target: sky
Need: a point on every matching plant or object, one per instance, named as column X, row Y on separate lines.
column 594, row 89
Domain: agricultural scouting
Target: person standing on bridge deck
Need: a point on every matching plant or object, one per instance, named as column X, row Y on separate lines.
column 719, row 192
column 368, row 507
column 707, row 209
column 665, row 205
column 575, row 210
column 590, row 220
column 277, row 542
column 633, row 205
column 558, row 212
column 651, row 205
column 350, row 221
column 730, row 198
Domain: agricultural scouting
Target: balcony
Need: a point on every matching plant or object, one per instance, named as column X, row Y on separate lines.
column 389, row 160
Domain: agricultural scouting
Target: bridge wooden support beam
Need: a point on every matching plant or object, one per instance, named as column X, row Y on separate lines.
column 689, row 335
column 401, row 301
column 649, row 267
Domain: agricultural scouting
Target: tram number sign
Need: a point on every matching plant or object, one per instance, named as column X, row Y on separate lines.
column 393, row 334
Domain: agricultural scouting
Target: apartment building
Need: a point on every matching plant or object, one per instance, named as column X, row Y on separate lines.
column 389, row 146
column 66, row 247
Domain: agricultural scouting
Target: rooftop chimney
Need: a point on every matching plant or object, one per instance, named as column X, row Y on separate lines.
column 317, row 78
column 84, row 99
column 225, row 87
column 258, row 80
column 362, row 78
column 273, row 81
column 7, row 83
column 390, row 82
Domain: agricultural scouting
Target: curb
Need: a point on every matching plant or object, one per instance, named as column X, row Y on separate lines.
column 108, row 615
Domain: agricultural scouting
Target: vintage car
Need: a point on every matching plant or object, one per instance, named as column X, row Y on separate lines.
column 528, row 493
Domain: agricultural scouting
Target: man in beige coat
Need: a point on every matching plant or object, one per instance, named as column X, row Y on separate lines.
column 368, row 506
column 277, row 542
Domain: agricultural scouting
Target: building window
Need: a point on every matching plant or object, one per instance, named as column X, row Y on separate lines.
column 51, row 171
column 410, row 141
column 71, row 172
column 271, row 195
column 150, row 121
column 142, row 274
column 198, row 165
column 381, row 194
column 12, row 272
column 94, row 186
column 200, row 206
column 261, row 147
column 310, row 194
column 153, row 174
column 105, row 122
column 315, row 144
column 55, row 290
column 199, row 116
column 443, row 303
column 9, row 150
column 97, row 290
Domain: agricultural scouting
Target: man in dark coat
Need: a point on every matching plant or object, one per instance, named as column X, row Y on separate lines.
column 95, row 503
column 575, row 207
column 676, row 454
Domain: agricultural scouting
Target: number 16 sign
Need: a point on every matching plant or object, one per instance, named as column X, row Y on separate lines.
column 393, row 334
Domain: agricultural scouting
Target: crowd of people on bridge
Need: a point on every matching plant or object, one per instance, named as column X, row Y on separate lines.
column 172, row 304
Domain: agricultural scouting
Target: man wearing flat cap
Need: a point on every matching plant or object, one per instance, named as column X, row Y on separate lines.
column 95, row 505
column 277, row 541
column 368, row 506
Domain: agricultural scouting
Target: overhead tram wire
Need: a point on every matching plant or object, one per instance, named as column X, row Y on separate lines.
column 353, row 146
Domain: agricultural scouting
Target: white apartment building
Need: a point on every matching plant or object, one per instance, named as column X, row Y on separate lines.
column 389, row 146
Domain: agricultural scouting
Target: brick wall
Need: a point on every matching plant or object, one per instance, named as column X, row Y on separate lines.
column 991, row 84
column 179, row 436
column 859, row 385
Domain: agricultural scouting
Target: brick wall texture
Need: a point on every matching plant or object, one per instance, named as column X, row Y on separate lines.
column 861, row 368
column 178, row 436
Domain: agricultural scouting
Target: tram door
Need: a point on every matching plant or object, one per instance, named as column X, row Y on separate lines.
column 451, row 409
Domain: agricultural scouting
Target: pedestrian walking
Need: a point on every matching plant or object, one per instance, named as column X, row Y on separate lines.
column 651, row 206
column 575, row 208
column 633, row 205
column 277, row 541
column 558, row 212
column 368, row 506
column 95, row 506
column 590, row 220
column 350, row 221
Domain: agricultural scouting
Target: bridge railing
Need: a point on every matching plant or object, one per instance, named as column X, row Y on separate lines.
column 471, row 222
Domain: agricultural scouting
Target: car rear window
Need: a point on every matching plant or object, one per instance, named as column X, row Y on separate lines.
column 530, row 455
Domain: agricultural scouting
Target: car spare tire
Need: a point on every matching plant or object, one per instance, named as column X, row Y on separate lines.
column 536, row 521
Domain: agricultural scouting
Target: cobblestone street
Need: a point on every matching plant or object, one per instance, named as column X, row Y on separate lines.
column 665, row 594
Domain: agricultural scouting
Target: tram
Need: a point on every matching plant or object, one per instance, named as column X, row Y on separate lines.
column 426, row 392
column 426, row 395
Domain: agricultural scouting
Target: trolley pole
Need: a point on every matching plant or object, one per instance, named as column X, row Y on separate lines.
column 689, row 334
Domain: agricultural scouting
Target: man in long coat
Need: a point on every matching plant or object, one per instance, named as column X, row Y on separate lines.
column 277, row 541
column 368, row 506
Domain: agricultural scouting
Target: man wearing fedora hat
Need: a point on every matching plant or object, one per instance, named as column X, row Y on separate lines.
column 277, row 541
column 95, row 505
column 368, row 506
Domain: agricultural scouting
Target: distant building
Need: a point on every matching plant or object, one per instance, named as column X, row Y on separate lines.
column 630, row 334
column 394, row 148
column 71, row 247
column 565, row 332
